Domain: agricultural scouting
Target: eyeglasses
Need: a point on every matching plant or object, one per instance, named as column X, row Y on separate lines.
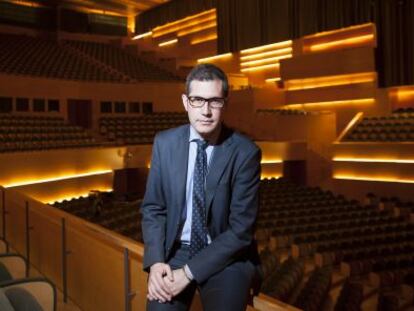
column 198, row 102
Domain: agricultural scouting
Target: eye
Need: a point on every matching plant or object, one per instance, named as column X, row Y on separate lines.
column 215, row 101
column 198, row 101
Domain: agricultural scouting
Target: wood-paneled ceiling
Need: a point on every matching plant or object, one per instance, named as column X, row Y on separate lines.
column 122, row 7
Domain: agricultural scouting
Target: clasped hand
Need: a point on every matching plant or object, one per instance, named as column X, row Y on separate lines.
column 164, row 283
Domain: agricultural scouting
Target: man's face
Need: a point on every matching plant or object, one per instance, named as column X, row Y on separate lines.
column 206, row 120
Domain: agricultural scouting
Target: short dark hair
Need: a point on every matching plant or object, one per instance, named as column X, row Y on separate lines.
column 207, row 72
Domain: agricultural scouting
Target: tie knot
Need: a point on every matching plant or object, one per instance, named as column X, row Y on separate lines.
column 202, row 144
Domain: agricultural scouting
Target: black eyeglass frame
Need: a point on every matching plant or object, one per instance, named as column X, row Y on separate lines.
column 214, row 102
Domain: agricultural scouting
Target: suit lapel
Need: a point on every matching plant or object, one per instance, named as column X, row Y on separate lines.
column 221, row 156
column 179, row 176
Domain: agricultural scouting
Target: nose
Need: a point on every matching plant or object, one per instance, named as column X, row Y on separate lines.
column 206, row 110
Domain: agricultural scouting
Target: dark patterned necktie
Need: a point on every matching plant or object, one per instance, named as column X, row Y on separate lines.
column 198, row 220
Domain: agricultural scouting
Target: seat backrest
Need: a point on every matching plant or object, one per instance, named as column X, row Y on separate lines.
column 4, row 274
column 5, row 304
column 22, row 300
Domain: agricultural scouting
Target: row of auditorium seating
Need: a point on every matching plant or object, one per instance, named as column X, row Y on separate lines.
column 158, row 117
column 138, row 130
column 398, row 257
column 17, row 120
column 19, row 292
column 75, row 60
column 308, row 243
column 396, row 127
column 397, row 206
column 41, row 129
column 368, row 243
column 27, row 133
column 120, row 215
column 284, row 112
column 20, row 146
column 119, row 59
column 30, row 56
column 336, row 252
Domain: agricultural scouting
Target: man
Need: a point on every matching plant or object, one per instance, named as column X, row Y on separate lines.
column 200, row 205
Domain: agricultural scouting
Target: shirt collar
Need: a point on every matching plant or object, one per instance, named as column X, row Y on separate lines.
column 194, row 136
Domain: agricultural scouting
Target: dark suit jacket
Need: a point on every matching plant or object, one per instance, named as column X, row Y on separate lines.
column 231, row 200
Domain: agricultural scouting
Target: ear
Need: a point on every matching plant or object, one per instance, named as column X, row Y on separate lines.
column 185, row 101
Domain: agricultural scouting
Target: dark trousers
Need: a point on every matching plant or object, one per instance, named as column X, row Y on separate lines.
column 227, row 290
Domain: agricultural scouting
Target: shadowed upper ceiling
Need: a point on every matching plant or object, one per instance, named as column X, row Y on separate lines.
column 122, row 7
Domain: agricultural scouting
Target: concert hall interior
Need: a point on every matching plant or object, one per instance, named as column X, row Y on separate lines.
column 325, row 88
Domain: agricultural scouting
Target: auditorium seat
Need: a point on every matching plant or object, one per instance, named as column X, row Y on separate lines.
column 12, row 266
column 350, row 297
column 34, row 294
column 282, row 281
column 313, row 294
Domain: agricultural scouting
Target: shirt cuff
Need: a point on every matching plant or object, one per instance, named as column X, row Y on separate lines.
column 188, row 273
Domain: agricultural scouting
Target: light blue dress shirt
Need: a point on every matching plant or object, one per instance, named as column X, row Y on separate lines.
column 192, row 154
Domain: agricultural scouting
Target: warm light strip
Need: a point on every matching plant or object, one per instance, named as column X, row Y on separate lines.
column 268, row 176
column 100, row 12
column 185, row 19
column 373, row 160
column 204, row 39
column 26, row 3
column 349, row 41
column 350, row 125
column 77, row 196
column 271, row 161
column 273, row 80
column 267, row 47
column 264, row 60
column 210, row 58
column 265, row 54
column 364, row 101
column 369, row 178
column 310, row 83
column 260, row 67
column 198, row 22
column 197, row 29
column 168, row 42
column 338, row 31
column 185, row 22
column 405, row 94
column 45, row 180
column 142, row 35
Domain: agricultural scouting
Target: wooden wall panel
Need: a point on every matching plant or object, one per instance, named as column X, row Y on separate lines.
column 345, row 61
